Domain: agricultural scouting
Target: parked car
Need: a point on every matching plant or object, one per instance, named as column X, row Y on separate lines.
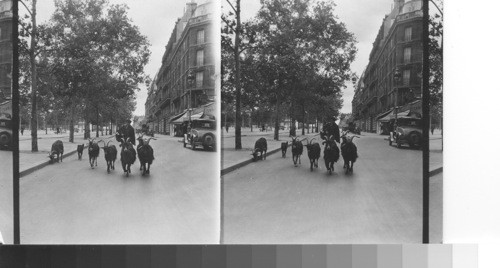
column 5, row 134
column 202, row 133
column 408, row 131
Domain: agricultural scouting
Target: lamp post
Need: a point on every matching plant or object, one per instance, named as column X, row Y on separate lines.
column 397, row 78
column 190, row 81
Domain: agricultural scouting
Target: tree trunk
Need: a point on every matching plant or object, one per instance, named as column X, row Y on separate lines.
column 303, row 120
column 86, row 131
column 97, row 123
column 250, row 119
column 277, row 120
column 34, row 125
column 237, row 82
column 72, row 123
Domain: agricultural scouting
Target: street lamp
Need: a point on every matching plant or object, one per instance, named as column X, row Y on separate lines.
column 190, row 79
column 397, row 78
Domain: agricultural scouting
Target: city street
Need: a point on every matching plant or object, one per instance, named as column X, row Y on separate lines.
column 272, row 201
column 177, row 203
column 6, row 197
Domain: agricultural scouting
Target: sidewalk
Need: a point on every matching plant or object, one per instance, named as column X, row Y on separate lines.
column 232, row 159
column 32, row 161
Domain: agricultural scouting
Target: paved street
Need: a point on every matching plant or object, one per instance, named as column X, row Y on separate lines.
column 177, row 203
column 272, row 201
column 6, row 197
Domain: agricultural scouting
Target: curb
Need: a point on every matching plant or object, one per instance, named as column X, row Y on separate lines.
column 44, row 164
column 244, row 163
column 436, row 171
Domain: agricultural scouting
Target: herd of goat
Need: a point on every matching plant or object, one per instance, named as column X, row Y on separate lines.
column 128, row 153
column 331, row 152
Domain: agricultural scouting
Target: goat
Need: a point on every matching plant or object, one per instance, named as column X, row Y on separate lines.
column 145, row 153
column 93, row 152
column 79, row 150
column 297, row 149
column 313, row 152
column 331, row 153
column 349, row 152
column 57, row 149
column 260, row 148
column 127, row 155
column 284, row 147
column 110, row 153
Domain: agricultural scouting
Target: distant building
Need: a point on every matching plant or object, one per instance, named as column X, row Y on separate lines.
column 185, row 82
column 391, row 82
column 5, row 50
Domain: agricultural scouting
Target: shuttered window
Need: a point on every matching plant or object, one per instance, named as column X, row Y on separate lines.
column 201, row 37
column 199, row 58
column 408, row 33
column 406, row 77
column 407, row 54
column 199, row 79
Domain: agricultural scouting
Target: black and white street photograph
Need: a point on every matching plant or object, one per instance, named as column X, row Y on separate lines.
column 322, row 121
column 118, row 111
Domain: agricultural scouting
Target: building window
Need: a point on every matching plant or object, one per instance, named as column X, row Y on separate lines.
column 408, row 34
column 406, row 77
column 201, row 37
column 199, row 79
column 199, row 58
column 407, row 55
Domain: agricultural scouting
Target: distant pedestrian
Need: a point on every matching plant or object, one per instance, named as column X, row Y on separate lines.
column 58, row 130
column 432, row 129
column 227, row 128
column 22, row 130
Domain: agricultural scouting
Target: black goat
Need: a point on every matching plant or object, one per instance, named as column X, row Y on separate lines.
column 284, row 147
column 110, row 153
column 79, row 150
column 93, row 152
column 297, row 149
column 57, row 149
column 331, row 153
column 313, row 152
column 349, row 152
column 260, row 149
column 127, row 155
column 145, row 153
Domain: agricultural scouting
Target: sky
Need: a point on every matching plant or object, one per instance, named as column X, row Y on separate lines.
column 362, row 17
column 155, row 19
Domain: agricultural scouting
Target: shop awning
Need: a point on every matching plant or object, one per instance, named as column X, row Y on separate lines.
column 185, row 117
column 173, row 118
column 390, row 116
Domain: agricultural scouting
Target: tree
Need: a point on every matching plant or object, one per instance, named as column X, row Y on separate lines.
column 298, row 42
column 436, row 65
column 94, row 55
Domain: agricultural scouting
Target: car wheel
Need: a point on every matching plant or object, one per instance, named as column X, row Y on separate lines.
column 414, row 139
column 398, row 143
column 5, row 140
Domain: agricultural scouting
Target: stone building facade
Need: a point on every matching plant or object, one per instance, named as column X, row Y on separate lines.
column 186, row 79
column 391, row 82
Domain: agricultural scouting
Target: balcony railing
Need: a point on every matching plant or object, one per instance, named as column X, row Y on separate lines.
column 410, row 15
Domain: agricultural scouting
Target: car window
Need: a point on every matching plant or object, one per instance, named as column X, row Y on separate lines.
column 204, row 124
